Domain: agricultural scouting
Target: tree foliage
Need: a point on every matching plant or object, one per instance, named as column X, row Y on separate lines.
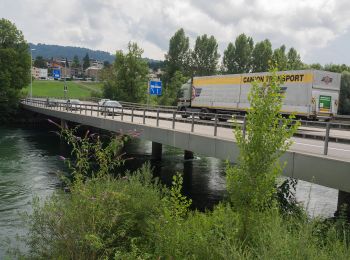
column 86, row 61
column 40, row 62
column 261, row 55
column 127, row 78
column 279, row 58
column 238, row 57
column 14, row 66
column 76, row 62
column 293, row 60
column 177, row 57
column 205, row 56
column 344, row 101
column 251, row 183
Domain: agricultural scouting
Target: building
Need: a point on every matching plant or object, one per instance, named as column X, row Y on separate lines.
column 39, row 73
column 93, row 72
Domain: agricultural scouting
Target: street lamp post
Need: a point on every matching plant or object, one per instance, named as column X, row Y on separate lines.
column 31, row 76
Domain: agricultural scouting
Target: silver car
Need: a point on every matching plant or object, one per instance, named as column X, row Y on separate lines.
column 73, row 104
column 110, row 106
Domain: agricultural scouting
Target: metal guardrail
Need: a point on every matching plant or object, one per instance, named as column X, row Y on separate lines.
column 219, row 120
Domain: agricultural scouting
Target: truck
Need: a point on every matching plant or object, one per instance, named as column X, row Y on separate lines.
column 310, row 94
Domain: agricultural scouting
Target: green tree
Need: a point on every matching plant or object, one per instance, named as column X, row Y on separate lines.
column 39, row 62
column 261, row 56
column 251, row 183
column 86, row 61
column 279, row 57
column 76, row 62
column 205, row 56
column 238, row 57
column 127, row 77
column 177, row 57
column 344, row 99
column 14, row 66
column 294, row 62
column 172, row 91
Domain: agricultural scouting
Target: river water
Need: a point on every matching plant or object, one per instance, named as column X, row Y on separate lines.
column 29, row 159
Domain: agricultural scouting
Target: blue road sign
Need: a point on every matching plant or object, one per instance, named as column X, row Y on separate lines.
column 155, row 88
column 56, row 74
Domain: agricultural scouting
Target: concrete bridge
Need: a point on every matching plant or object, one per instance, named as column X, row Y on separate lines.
column 313, row 160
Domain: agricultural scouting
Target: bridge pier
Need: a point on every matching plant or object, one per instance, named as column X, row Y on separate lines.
column 188, row 155
column 64, row 124
column 343, row 200
column 157, row 151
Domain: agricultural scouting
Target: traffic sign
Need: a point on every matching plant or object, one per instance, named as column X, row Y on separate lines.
column 56, row 74
column 155, row 88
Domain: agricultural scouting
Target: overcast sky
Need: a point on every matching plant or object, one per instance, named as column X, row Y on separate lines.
column 318, row 29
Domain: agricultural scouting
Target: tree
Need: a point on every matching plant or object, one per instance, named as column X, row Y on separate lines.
column 76, row 62
column 261, row 56
column 177, row 57
column 344, row 98
column 86, row 61
column 15, row 66
column 172, row 91
column 205, row 56
column 228, row 60
column 39, row 62
column 127, row 77
column 251, row 182
column 294, row 61
column 239, row 59
column 279, row 57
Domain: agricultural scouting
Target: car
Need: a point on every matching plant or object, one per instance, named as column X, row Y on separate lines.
column 100, row 103
column 50, row 102
column 73, row 104
column 110, row 106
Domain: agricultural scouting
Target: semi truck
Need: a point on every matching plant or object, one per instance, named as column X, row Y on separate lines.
column 311, row 94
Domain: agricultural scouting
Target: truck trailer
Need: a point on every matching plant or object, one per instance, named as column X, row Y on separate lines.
column 310, row 94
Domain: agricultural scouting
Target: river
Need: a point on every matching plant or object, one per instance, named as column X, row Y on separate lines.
column 29, row 159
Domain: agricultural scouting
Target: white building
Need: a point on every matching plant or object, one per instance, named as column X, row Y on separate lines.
column 39, row 73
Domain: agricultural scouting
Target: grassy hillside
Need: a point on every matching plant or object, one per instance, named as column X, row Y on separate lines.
column 76, row 89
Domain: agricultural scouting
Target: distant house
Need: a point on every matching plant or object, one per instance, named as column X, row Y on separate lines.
column 93, row 72
column 39, row 73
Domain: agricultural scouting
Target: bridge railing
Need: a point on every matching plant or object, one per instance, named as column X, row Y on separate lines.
column 157, row 114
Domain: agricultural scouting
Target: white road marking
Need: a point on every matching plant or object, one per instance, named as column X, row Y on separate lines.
column 331, row 148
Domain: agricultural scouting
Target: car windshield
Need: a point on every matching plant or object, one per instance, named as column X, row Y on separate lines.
column 112, row 104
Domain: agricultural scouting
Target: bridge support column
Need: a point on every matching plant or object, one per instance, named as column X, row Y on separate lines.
column 64, row 124
column 188, row 155
column 156, row 151
column 343, row 200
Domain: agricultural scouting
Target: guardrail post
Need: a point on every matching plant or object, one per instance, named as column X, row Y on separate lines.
column 328, row 128
column 244, row 126
column 98, row 110
column 80, row 108
column 174, row 114
column 216, row 125
column 85, row 109
column 112, row 112
column 91, row 110
column 105, row 112
column 144, row 116
column 122, row 116
column 192, row 125
column 157, row 117
column 132, row 114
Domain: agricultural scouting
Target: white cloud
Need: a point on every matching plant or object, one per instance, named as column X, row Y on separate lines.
column 310, row 26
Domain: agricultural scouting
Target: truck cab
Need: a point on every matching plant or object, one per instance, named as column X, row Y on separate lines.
column 185, row 96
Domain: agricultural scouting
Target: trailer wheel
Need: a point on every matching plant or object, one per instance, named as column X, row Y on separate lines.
column 205, row 117
column 183, row 110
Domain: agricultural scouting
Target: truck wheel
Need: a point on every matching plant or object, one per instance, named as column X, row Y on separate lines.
column 205, row 117
column 183, row 110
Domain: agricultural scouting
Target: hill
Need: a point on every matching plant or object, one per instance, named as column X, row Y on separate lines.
column 48, row 51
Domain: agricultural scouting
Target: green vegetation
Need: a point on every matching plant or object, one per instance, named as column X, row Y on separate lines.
column 53, row 88
column 14, row 67
column 127, row 78
column 132, row 216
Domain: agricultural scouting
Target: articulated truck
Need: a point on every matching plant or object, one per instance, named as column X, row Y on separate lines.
column 310, row 94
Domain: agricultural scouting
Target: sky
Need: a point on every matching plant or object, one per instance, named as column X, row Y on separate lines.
column 318, row 29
